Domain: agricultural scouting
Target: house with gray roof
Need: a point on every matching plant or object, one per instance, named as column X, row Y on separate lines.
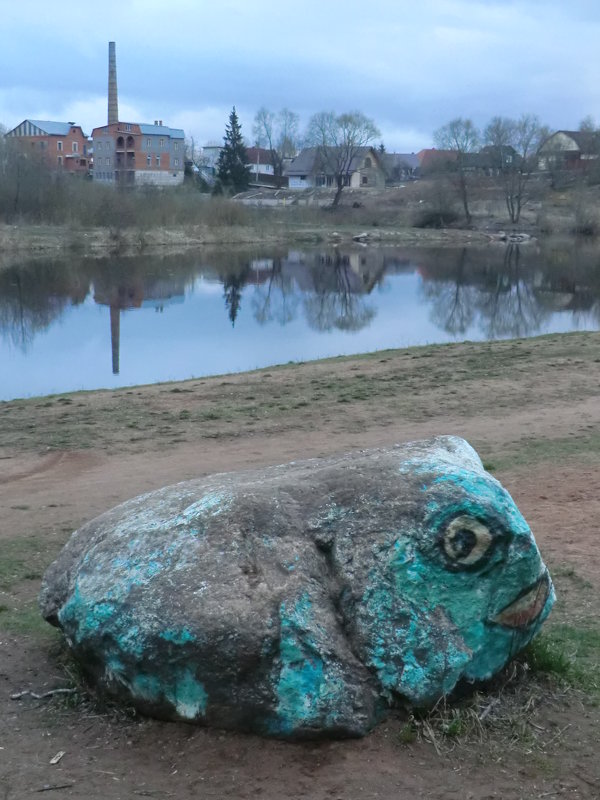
column 569, row 150
column 60, row 146
column 311, row 168
column 136, row 154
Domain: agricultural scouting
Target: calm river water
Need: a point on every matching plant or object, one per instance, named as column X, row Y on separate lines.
column 91, row 323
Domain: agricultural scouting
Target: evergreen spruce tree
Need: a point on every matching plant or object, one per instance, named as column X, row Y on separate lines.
column 232, row 173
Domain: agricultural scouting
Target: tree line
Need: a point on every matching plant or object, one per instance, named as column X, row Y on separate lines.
column 511, row 147
column 337, row 139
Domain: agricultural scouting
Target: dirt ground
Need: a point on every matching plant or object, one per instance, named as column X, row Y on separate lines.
column 532, row 410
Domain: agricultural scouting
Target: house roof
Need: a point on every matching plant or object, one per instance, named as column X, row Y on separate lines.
column 431, row 157
column 144, row 130
column 157, row 130
column 402, row 160
column 258, row 155
column 304, row 163
column 310, row 161
column 586, row 141
column 42, row 127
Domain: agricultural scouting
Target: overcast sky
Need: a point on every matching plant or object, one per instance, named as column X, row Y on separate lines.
column 411, row 66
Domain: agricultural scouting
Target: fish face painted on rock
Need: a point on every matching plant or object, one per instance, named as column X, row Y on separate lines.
column 302, row 599
column 463, row 590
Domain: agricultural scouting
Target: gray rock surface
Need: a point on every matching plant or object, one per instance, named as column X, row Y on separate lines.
column 303, row 599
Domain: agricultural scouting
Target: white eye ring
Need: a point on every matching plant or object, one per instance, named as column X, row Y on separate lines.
column 466, row 540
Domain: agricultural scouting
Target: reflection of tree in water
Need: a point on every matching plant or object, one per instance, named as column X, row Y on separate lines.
column 511, row 308
column 501, row 295
column 32, row 297
column 233, row 284
column 453, row 302
column 334, row 303
column 276, row 299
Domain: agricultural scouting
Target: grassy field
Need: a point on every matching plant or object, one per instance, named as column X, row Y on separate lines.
column 530, row 407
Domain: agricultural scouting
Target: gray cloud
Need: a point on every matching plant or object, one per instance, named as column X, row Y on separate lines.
column 412, row 67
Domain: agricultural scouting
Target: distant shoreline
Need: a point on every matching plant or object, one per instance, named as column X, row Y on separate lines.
column 31, row 241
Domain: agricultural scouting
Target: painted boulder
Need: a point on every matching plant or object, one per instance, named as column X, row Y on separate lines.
column 304, row 599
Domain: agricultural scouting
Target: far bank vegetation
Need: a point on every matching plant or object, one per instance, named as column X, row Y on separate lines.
column 450, row 192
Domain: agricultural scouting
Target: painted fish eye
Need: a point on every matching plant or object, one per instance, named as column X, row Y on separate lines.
column 466, row 541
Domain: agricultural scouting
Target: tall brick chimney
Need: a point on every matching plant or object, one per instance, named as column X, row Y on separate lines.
column 113, row 101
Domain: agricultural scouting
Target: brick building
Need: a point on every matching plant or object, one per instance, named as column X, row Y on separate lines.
column 136, row 154
column 60, row 145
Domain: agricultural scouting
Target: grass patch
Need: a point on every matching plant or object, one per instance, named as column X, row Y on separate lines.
column 536, row 451
column 26, row 620
column 569, row 653
column 23, row 559
column 504, row 711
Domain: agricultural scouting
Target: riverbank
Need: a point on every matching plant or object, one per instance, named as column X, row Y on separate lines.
column 18, row 242
column 531, row 409
column 103, row 222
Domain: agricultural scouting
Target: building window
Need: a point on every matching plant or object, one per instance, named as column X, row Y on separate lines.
column 75, row 146
column 99, row 146
column 108, row 162
column 368, row 163
column 176, row 145
column 158, row 161
column 149, row 161
column 59, row 158
column 59, row 147
column 148, row 143
column 176, row 162
column 128, row 127
column 364, row 180
column 161, row 142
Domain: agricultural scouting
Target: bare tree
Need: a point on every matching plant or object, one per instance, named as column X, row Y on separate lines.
column 588, row 125
column 515, row 146
column 339, row 139
column 278, row 133
column 462, row 137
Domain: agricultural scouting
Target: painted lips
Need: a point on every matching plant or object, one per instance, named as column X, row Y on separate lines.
column 527, row 607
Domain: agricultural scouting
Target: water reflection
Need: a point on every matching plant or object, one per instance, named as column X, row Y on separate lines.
column 357, row 299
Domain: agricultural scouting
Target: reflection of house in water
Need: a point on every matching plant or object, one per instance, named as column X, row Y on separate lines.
column 314, row 271
column 134, row 292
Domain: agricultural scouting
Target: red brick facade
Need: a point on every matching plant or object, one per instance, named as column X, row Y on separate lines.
column 67, row 151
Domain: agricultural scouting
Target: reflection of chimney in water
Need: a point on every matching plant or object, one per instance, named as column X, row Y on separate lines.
column 113, row 103
column 115, row 333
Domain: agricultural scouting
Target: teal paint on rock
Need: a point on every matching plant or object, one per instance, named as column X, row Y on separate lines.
column 310, row 690
column 304, row 599
column 177, row 637
column 188, row 695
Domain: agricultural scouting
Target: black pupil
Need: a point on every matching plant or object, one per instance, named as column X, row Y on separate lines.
column 463, row 541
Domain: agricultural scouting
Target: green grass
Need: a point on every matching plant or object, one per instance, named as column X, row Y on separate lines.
column 535, row 451
column 26, row 620
column 23, row 559
column 569, row 653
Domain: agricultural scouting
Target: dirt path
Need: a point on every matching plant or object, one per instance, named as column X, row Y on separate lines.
column 532, row 410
